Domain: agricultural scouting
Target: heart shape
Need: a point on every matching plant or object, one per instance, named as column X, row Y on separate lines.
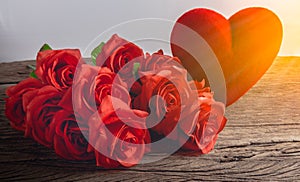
column 245, row 45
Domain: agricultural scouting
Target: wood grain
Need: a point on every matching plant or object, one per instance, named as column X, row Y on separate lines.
column 261, row 140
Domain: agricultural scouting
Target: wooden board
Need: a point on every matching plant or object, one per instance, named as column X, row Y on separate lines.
column 261, row 140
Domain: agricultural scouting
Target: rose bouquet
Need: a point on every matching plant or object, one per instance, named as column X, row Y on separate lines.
column 112, row 108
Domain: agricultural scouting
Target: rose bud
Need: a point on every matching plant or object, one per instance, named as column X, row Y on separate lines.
column 57, row 67
column 43, row 104
column 118, row 135
column 69, row 137
column 15, row 107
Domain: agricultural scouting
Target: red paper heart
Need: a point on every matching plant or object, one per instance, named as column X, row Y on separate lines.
column 245, row 45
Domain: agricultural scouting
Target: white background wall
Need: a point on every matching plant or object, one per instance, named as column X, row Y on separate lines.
column 26, row 24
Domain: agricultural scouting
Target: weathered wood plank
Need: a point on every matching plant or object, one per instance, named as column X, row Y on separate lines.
column 260, row 142
column 15, row 71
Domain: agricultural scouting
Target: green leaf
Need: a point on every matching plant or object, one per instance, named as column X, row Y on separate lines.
column 33, row 75
column 136, row 67
column 96, row 52
column 45, row 47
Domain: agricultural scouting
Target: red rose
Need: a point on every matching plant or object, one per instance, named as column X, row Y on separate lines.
column 172, row 86
column 165, row 112
column 15, row 107
column 43, row 104
column 57, row 67
column 68, row 139
column 207, row 117
column 83, row 87
column 117, row 137
column 91, row 85
column 116, row 53
column 108, row 83
column 151, row 64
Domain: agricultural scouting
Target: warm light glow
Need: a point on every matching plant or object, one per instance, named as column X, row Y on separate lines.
column 288, row 11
